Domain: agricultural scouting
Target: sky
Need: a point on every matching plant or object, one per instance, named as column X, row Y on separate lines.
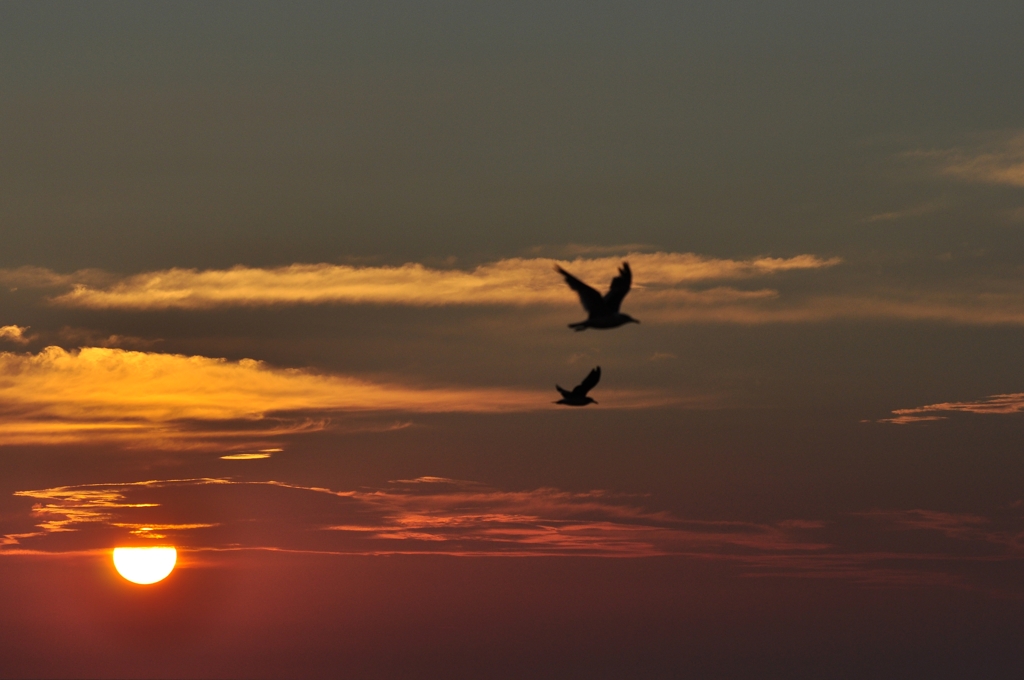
column 278, row 288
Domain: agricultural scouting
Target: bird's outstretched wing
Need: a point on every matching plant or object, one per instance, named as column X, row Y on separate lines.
column 564, row 392
column 619, row 288
column 591, row 299
column 588, row 383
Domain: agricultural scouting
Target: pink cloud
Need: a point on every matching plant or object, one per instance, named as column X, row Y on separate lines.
column 441, row 516
column 425, row 515
column 995, row 404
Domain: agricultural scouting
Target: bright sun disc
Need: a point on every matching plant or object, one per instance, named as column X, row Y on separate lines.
column 145, row 565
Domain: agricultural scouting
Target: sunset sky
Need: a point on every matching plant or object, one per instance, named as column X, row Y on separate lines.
column 278, row 288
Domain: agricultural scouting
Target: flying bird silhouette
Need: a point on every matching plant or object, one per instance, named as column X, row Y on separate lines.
column 578, row 396
column 603, row 311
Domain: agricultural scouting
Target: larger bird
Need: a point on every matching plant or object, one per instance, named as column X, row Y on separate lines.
column 578, row 396
column 603, row 310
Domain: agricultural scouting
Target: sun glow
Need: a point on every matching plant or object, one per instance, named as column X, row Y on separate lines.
column 145, row 565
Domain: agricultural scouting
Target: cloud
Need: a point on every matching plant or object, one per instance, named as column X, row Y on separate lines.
column 982, row 308
column 995, row 404
column 907, row 419
column 14, row 334
column 515, row 281
column 1000, row 161
column 104, row 393
column 961, row 526
column 40, row 277
column 427, row 515
column 434, row 515
column 84, row 337
column 914, row 211
column 670, row 288
column 254, row 455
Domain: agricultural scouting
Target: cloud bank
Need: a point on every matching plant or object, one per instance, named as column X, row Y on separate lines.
column 440, row 516
column 669, row 288
column 97, row 393
column 516, row 281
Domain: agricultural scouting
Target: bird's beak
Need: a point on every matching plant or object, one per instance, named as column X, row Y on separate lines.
column 635, row 320
column 595, row 401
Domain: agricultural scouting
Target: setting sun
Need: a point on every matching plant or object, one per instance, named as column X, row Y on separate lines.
column 145, row 565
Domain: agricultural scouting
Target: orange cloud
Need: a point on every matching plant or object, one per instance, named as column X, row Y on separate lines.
column 251, row 455
column 516, row 281
column 14, row 334
column 669, row 288
column 662, row 290
column 40, row 277
column 96, row 393
column 998, row 404
column 999, row 162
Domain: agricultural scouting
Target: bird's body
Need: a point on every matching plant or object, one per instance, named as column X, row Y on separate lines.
column 606, row 321
column 578, row 395
column 602, row 310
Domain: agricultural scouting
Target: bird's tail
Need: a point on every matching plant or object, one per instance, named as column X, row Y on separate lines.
column 581, row 326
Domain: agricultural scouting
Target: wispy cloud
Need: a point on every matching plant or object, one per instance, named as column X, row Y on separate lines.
column 427, row 515
column 103, row 393
column 959, row 526
column 433, row 515
column 515, row 281
column 995, row 404
column 251, row 455
column 40, row 277
column 998, row 161
column 959, row 308
column 913, row 211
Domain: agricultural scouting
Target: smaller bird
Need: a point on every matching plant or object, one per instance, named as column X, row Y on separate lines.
column 602, row 311
column 578, row 396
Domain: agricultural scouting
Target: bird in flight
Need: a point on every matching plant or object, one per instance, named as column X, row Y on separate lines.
column 603, row 310
column 578, row 396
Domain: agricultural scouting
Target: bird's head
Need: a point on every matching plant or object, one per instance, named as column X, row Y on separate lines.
column 630, row 319
column 591, row 400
